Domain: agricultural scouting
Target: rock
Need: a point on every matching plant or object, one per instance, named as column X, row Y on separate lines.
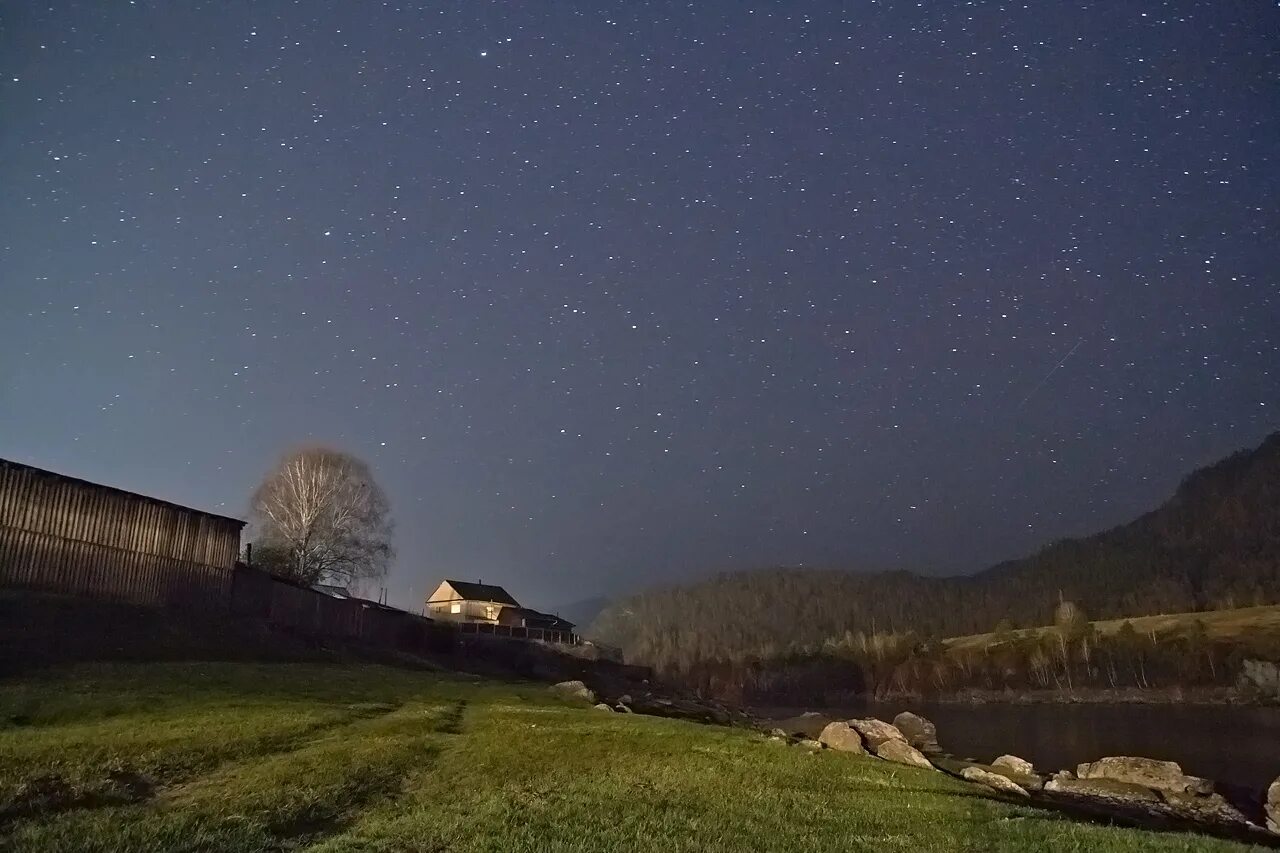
column 1030, row 781
column 1150, row 807
column 841, row 737
column 1273, row 807
column 808, row 744
column 994, row 781
column 575, row 690
column 901, row 752
column 1103, row 789
column 601, row 706
column 1162, row 775
column 1016, row 764
column 780, row 734
column 683, row 709
column 1261, row 677
column 1063, row 775
column 918, row 731
column 625, row 699
column 1211, row 808
column 956, row 767
column 875, row 732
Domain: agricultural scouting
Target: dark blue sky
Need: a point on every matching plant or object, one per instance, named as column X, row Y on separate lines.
column 612, row 294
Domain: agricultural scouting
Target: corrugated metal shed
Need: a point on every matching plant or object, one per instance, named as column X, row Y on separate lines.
column 63, row 534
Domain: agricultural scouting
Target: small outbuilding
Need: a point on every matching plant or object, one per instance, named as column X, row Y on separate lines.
column 523, row 617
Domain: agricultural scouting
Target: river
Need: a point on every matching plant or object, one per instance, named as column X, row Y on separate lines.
column 1238, row 746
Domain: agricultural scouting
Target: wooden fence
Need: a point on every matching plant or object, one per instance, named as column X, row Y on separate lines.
column 314, row 614
column 60, row 534
column 545, row 634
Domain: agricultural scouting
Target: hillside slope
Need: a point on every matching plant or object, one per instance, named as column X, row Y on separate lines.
column 1214, row 545
column 274, row 757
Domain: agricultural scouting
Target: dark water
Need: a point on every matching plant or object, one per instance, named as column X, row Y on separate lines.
column 1236, row 746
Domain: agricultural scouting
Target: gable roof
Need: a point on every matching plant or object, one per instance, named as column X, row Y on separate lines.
column 482, row 592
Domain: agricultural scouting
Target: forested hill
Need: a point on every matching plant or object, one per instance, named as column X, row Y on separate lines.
column 1214, row 544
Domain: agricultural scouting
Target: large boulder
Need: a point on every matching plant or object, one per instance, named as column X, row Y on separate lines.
column 685, row 709
column 1102, row 789
column 901, row 752
column 841, row 737
column 1148, row 806
column 1015, row 764
column 1161, row 775
column 1211, row 808
column 994, row 781
column 1273, row 807
column 919, row 732
column 575, row 690
column 875, row 732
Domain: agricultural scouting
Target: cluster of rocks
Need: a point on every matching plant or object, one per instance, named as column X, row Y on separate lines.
column 1142, row 791
column 694, row 710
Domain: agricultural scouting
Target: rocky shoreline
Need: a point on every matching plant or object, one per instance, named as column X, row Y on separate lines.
column 1129, row 790
column 1137, row 791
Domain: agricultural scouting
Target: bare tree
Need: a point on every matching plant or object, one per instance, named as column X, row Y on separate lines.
column 320, row 516
column 1072, row 628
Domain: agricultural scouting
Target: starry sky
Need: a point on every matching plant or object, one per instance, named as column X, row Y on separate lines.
column 612, row 294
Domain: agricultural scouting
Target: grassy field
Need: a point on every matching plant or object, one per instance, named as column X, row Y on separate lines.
column 1223, row 625
column 295, row 756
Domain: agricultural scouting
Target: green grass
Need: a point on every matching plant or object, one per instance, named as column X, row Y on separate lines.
column 1220, row 625
column 257, row 757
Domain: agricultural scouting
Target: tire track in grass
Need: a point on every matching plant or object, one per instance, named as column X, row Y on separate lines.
column 279, row 802
column 366, row 824
column 118, row 784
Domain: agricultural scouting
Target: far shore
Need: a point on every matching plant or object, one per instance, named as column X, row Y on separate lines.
column 1093, row 696
column 1209, row 696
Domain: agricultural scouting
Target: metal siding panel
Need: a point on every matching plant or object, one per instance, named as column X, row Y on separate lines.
column 65, row 535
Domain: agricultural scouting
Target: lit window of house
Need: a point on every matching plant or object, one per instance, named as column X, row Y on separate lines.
column 490, row 612
column 455, row 608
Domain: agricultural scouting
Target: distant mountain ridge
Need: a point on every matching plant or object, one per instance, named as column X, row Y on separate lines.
column 1214, row 544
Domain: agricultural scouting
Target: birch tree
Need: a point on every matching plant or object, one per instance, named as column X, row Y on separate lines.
column 320, row 517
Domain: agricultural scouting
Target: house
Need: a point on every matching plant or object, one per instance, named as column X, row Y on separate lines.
column 464, row 601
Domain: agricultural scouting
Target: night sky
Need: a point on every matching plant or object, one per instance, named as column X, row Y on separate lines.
column 616, row 294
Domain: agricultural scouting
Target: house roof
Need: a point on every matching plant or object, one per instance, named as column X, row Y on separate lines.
column 527, row 613
column 332, row 590
column 482, row 592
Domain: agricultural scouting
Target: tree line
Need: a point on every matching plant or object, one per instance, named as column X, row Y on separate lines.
column 1214, row 545
column 1074, row 655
